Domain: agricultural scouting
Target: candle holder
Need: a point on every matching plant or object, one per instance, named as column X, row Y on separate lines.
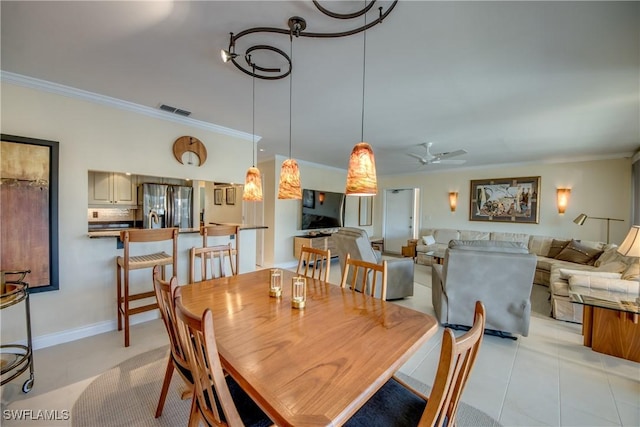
column 275, row 284
column 298, row 292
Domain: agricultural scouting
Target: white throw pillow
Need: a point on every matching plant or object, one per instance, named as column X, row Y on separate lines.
column 603, row 283
column 428, row 240
column 565, row 273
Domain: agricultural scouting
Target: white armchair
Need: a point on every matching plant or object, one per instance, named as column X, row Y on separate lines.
column 355, row 241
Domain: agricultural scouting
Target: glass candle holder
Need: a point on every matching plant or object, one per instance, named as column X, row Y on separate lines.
column 298, row 292
column 275, row 284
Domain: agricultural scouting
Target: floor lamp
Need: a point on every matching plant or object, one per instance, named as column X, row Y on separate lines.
column 580, row 219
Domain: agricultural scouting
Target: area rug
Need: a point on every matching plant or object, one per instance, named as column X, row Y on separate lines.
column 127, row 395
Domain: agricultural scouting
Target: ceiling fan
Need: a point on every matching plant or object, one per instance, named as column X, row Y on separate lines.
column 438, row 158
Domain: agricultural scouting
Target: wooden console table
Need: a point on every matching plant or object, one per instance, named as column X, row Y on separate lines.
column 323, row 241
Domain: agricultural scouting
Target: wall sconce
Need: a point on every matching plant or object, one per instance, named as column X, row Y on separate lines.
column 453, row 200
column 321, row 198
column 562, row 196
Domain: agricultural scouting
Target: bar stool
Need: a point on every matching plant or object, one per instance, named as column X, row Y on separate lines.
column 126, row 263
column 213, row 231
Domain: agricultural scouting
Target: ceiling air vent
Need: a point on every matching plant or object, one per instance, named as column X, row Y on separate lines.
column 174, row 110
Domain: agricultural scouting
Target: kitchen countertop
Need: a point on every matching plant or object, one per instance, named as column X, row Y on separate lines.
column 116, row 233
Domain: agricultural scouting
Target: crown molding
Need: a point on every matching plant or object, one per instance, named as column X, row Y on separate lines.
column 46, row 86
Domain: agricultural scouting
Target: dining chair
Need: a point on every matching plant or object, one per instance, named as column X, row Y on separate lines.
column 178, row 357
column 212, row 262
column 219, row 400
column 364, row 276
column 209, row 253
column 128, row 262
column 314, row 263
column 397, row 404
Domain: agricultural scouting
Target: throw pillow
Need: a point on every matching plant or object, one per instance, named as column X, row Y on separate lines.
column 556, row 247
column 603, row 283
column 428, row 240
column 632, row 272
column 613, row 267
column 578, row 253
column 565, row 273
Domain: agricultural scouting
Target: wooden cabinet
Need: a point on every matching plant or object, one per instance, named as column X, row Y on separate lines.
column 318, row 242
column 109, row 188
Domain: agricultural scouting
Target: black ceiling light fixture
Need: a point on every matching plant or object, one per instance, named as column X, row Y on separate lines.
column 297, row 26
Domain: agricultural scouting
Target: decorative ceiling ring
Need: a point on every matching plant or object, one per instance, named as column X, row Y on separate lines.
column 296, row 28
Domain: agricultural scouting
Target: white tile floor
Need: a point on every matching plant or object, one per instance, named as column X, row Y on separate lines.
column 546, row 379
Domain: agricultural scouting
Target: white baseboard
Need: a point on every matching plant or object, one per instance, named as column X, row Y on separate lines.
column 88, row 331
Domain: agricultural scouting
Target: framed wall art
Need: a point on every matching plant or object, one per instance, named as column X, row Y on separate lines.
column 505, row 200
column 231, row 195
column 29, row 214
column 217, row 196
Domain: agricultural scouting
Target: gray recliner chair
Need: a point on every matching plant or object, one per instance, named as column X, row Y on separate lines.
column 355, row 241
column 500, row 274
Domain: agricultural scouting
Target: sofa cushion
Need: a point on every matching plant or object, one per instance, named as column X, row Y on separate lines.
column 540, row 245
column 428, row 240
column 445, row 235
column 510, row 237
column 474, row 235
column 604, row 283
column 556, row 247
column 632, row 272
column 577, row 252
column 489, row 246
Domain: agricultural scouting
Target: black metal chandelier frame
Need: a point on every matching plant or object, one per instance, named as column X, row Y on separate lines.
column 297, row 25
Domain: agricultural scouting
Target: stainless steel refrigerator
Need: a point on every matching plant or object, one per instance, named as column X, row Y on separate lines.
column 173, row 205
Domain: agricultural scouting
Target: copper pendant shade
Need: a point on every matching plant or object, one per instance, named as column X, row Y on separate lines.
column 361, row 176
column 289, row 181
column 252, row 186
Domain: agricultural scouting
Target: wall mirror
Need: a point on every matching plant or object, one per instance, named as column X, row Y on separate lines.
column 365, row 211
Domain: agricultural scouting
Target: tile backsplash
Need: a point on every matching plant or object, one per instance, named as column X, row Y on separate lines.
column 110, row 214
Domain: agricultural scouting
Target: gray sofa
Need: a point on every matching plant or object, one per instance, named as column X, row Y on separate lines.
column 500, row 274
column 355, row 241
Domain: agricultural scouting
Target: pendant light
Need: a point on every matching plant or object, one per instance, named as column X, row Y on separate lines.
column 361, row 175
column 253, row 182
column 289, row 187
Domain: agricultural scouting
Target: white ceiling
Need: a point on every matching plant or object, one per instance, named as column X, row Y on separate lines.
column 507, row 81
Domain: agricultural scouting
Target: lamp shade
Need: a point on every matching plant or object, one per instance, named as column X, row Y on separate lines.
column 252, row 186
column 453, row 200
column 289, row 187
column 361, row 176
column 631, row 244
column 580, row 219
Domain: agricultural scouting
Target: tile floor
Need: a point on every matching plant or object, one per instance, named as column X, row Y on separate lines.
column 545, row 379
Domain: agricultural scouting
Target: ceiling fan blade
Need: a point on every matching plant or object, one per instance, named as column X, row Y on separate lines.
column 417, row 156
column 450, row 154
column 450, row 162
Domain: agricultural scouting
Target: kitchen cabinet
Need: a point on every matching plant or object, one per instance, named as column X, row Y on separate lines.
column 110, row 188
column 322, row 242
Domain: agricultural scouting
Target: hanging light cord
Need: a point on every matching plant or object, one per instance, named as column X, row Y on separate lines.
column 253, row 115
column 290, row 90
column 364, row 66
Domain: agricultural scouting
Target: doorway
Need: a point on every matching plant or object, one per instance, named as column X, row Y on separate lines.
column 400, row 217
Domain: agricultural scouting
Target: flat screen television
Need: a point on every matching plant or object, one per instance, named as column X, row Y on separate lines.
column 322, row 209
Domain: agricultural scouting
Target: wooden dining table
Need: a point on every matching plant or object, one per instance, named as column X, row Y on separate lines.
column 311, row 366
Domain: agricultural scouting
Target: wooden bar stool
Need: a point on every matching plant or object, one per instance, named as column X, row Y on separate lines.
column 213, row 231
column 126, row 263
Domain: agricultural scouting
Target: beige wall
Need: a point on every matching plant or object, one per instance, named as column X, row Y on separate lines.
column 97, row 137
column 598, row 188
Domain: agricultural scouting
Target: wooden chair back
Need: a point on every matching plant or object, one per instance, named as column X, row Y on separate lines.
column 457, row 357
column 145, row 235
column 314, row 263
column 213, row 262
column 361, row 272
column 210, row 387
column 178, row 358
